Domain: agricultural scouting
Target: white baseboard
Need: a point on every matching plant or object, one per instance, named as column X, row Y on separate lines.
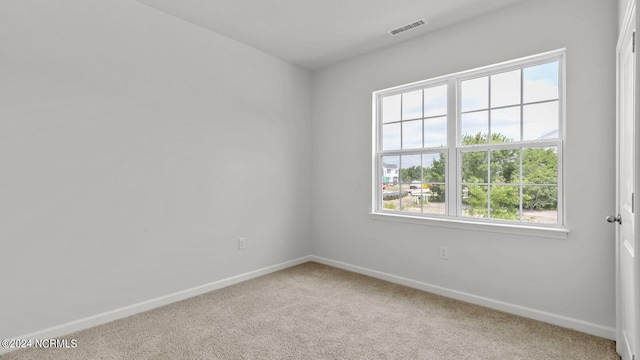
column 550, row 318
column 99, row 319
column 103, row 318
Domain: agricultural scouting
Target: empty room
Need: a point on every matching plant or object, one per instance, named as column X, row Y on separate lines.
column 306, row 179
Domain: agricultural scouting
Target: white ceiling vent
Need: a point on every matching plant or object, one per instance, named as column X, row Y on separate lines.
column 414, row 24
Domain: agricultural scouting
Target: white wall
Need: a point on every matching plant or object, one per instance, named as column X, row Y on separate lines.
column 134, row 150
column 572, row 278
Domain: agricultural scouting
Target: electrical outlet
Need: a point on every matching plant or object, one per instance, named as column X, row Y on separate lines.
column 444, row 252
column 242, row 243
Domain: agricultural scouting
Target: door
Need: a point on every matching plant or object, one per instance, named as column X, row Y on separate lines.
column 627, row 244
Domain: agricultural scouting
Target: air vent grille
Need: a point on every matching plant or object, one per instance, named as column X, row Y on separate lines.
column 413, row 25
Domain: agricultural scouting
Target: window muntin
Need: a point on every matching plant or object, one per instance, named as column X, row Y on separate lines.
column 505, row 164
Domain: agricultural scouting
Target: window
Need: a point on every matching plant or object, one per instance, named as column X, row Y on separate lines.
column 483, row 145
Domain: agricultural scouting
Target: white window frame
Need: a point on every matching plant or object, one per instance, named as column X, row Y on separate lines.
column 454, row 149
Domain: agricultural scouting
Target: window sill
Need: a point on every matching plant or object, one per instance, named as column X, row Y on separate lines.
column 513, row 229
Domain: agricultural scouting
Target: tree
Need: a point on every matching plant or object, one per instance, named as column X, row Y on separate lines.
column 411, row 174
column 540, row 166
column 499, row 169
column 436, row 174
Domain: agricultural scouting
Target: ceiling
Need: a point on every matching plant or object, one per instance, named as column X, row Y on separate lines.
column 317, row 33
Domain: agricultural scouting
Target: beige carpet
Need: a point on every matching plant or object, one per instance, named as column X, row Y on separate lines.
column 312, row 311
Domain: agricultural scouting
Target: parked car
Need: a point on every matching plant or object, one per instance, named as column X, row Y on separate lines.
column 415, row 185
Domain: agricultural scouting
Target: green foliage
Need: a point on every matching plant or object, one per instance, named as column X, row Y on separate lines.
column 411, row 174
column 477, row 200
column 540, row 197
column 539, row 166
column 505, row 202
column 504, row 164
column 435, row 173
column 390, row 206
column 474, row 167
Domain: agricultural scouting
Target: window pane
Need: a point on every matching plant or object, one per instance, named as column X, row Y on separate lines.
column 475, row 200
column 420, row 200
column 541, row 82
column 505, row 125
column 475, row 94
column 505, row 166
column 435, row 203
column 540, row 166
column 391, row 136
column 411, row 172
column 474, row 167
column 435, row 132
column 434, row 166
column 411, row 177
column 504, row 202
column 540, row 121
column 412, row 134
column 391, row 108
column 412, row 105
column 435, row 101
column 540, row 204
column 390, row 178
column 475, row 127
column 505, row 89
